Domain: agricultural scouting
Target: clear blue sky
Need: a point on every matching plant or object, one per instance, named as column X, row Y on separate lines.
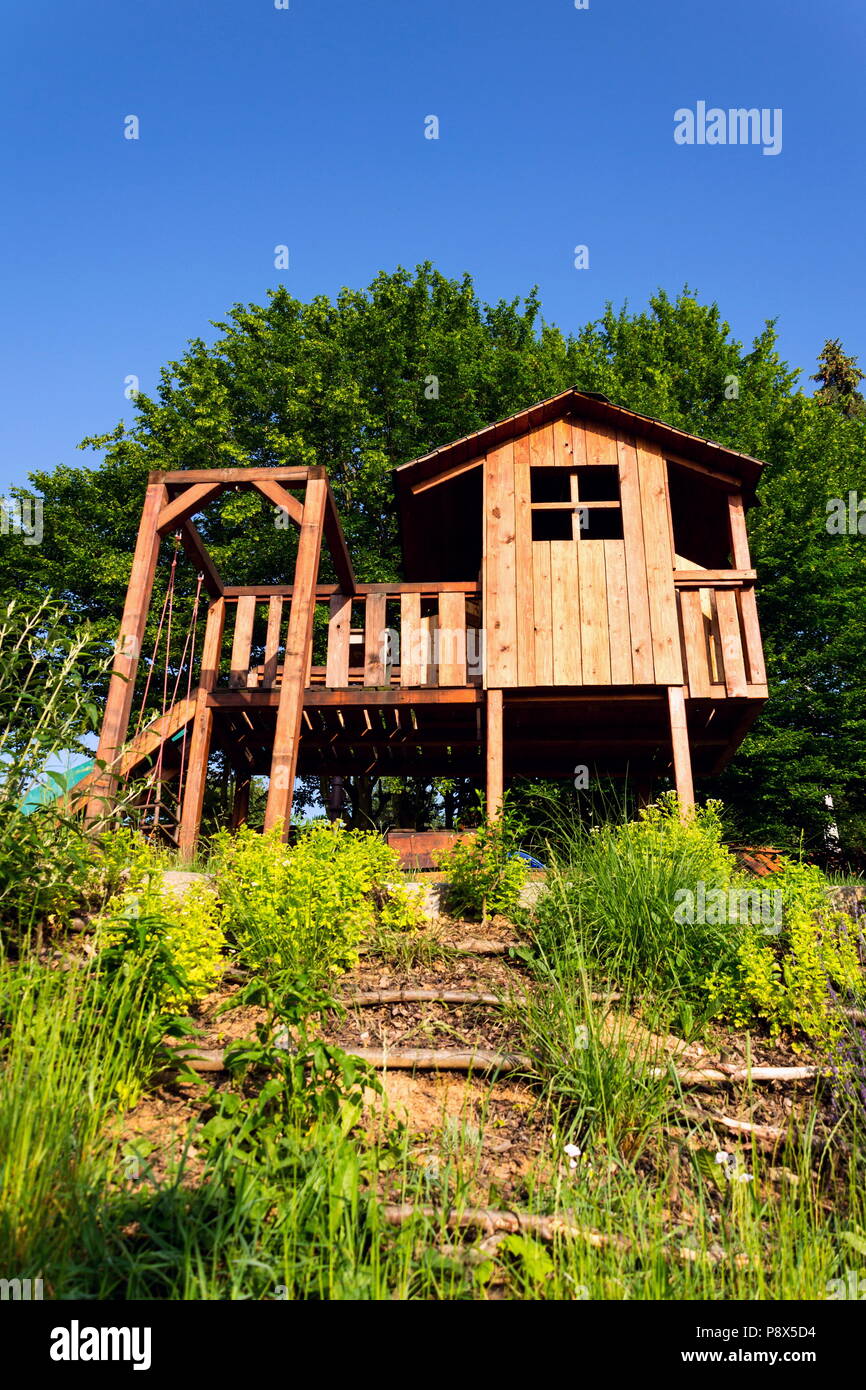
column 305, row 126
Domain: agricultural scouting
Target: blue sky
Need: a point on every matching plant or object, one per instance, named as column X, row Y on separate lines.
column 305, row 127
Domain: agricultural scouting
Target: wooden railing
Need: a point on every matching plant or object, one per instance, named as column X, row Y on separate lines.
column 382, row 636
column 719, row 632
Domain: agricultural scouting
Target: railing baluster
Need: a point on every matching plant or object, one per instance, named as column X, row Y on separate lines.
column 243, row 639
column 374, row 637
column 272, row 642
column 452, row 639
column 339, row 625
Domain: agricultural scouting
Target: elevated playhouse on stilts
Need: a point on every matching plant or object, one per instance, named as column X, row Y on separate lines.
column 577, row 591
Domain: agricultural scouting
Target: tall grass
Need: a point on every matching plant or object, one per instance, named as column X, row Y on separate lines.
column 75, row 1046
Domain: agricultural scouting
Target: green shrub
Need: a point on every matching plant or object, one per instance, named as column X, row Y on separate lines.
column 306, row 908
column 182, row 934
column 484, row 873
column 44, row 710
column 788, row 980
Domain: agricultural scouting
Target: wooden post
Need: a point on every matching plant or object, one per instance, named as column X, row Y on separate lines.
column 115, row 721
column 287, row 736
column 202, row 728
column 495, row 751
column 681, row 750
column 241, row 801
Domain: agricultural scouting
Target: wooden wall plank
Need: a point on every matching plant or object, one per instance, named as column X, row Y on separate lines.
column 621, row 670
column 374, row 638
column 635, row 563
column 578, row 443
column 563, row 447
column 695, row 633
column 732, row 646
column 601, row 445
column 667, row 660
column 501, row 590
column 541, row 452
column 339, row 629
column 242, row 640
column 410, row 636
column 543, row 617
column 523, row 564
column 594, row 629
column 452, row 639
column 565, row 612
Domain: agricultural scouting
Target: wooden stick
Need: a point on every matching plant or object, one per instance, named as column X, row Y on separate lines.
column 722, row 1074
column 444, row 996
column 421, row 996
column 492, row 1222
column 400, row 1059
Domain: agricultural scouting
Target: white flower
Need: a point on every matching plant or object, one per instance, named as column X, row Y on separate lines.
column 723, row 1158
column 572, row 1153
column 745, row 1177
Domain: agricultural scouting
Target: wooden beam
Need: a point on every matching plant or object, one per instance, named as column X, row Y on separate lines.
column 280, row 497
column 241, row 801
column 495, row 754
column 202, row 729
column 713, row 579
column 319, row 697
column 115, row 721
column 195, row 552
column 680, row 746
column 339, row 551
column 190, row 501
column 429, row 590
column 298, row 642
column 447, row 474
column 724, row 480
column 192, row 477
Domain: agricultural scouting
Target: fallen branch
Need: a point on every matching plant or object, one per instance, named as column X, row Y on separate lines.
column 762, row 1134
column 421, row 996
column 446, row 996
column 491, row 1222
column 723, row 1074
column 400, row 1059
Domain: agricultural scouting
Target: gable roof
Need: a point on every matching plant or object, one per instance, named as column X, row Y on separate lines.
column 589, row 406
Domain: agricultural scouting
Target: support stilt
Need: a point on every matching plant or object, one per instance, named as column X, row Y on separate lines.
column 115, row 723
column 495, row 754
column 300, row 635
column 681, row 751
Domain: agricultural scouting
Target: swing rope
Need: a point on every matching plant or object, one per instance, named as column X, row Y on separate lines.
column 166, row 622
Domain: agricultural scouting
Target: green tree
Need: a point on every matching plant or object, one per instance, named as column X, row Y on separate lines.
column 840, row 377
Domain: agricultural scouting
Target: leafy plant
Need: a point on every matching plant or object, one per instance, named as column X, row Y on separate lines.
column 791, row 980
column 484, row 871
column 182, row 934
